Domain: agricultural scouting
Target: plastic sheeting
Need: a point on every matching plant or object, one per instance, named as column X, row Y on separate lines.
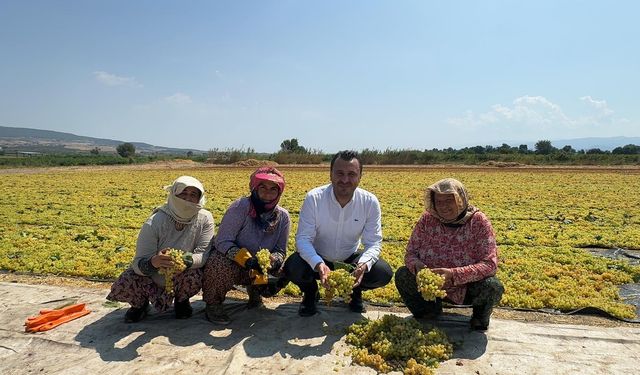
column 275, row 340
column 630, row 293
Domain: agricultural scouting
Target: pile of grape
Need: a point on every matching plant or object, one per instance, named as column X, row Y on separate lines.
column 394, row 343
column 264, row 259
column 169, row 273
column 430, row 284
column 340, row 285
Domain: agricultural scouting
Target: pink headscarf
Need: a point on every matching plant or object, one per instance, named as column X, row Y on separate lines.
column 266, row 174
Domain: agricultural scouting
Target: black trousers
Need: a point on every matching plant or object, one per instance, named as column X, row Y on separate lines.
column 298, row 271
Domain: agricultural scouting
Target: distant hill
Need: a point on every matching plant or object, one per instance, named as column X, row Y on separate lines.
column 48, row 141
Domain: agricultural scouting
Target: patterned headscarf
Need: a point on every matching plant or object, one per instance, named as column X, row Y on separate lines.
column 178, row 209
column 262, row 212
column 265, row 174
column 455, row 187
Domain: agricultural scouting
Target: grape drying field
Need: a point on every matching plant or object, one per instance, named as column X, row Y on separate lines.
column 84, row 222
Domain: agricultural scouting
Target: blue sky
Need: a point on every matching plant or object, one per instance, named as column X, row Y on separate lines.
column 333, row 74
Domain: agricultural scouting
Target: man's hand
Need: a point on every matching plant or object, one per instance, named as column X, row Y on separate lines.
column 358, row 273
column 324, row 272
column 447, row 274
column 161, row 260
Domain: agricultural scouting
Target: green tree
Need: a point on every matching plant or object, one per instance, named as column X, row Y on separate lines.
column 95, row 151
column 595, row 151
column 292, row 146
column 506, row 149
column 629, row 149
column 126, row 150
column 544, row 147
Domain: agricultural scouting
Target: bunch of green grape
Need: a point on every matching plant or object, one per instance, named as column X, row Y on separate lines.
column 395, row 343
column 264, row 260
column 168, row 273
column 340, row 284
column 430, row 284
column 414, row 368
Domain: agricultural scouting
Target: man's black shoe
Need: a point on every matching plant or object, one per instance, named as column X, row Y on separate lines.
column 136, row 314
column 308, row 305
column 356, row 305
column 183, row 309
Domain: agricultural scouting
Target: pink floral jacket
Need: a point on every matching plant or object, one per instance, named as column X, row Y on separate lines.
column 469, row 250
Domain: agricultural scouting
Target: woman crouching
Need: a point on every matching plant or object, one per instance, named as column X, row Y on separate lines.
column 182, row 224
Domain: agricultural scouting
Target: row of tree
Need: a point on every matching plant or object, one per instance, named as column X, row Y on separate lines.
column 544, row 147
column 292, row 146
column 291, row 152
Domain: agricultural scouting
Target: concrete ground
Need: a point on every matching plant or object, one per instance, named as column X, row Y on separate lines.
column 275, row 340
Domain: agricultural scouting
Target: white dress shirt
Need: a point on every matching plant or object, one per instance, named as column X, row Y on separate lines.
column 327, row 230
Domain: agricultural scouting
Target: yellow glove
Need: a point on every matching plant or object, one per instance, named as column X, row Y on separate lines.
column 242, row 256
column 258, row 278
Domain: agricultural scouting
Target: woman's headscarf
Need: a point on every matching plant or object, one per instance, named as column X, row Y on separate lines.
column 455, row 187
column 262, row 211
column 180, row 210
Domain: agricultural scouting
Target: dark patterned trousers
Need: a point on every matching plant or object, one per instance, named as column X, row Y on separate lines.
column 482, row 295
column 220, row 275
column 137, row 290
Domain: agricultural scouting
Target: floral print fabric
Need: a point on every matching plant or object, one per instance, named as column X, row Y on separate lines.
column 137, row 290
column 469, row 250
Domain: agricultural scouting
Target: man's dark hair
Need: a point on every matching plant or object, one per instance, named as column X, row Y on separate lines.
column 346, row 155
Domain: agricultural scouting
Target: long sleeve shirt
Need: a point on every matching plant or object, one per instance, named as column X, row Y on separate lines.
column 469, row 250
column 329, row 231
column 159, row 232
column 237, row 230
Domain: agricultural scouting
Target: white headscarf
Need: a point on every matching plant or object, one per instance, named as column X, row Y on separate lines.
column 180, row 210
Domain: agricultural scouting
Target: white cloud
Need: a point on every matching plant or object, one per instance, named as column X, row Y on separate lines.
column 536, row 113
column 600, row 106
column 525, row 110
column 114, row 80
column 178, row 98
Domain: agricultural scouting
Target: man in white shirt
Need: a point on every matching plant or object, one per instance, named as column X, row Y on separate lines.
column 334, row 219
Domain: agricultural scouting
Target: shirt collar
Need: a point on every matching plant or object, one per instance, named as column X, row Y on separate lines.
column 335, row 200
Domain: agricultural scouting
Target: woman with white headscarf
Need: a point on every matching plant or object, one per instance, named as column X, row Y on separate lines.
column 456, row 240
column 182, row 223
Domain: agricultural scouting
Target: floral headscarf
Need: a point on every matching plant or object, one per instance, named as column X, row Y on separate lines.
column 263, row 212
column 180, row 210
column 455, row 187
column 260, row 175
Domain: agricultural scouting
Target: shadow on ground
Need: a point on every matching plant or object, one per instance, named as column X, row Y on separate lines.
column 262, row 332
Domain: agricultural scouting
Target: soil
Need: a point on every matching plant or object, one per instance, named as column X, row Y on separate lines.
column 500, row 313
column 190, row 164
